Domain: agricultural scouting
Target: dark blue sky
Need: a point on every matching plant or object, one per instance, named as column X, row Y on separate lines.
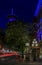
column 24, row 9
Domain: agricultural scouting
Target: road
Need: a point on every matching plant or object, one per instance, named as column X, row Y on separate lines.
column 15, row 63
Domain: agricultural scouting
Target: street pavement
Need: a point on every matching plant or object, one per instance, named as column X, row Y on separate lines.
column 19, row 63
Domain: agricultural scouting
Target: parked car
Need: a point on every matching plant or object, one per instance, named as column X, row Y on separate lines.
column 10, row 56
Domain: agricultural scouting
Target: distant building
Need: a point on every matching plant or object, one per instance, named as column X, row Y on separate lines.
column 37, row 32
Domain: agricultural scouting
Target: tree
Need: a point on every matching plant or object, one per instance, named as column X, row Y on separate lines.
column 2, row 35
column 16, row 35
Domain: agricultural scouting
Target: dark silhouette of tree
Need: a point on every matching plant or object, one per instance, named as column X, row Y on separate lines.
column 17, row 34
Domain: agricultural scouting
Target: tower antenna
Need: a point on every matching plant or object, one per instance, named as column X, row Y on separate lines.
column 12, row 11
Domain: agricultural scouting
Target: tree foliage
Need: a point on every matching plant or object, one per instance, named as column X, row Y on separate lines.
column 17, row 34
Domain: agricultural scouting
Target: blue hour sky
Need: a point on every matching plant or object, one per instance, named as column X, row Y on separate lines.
column 24, row 9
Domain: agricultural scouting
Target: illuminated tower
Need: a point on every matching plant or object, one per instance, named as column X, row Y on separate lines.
column 12, row 17
column 38, row 15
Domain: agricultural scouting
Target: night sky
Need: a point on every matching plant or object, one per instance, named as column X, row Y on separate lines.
column 24, row 9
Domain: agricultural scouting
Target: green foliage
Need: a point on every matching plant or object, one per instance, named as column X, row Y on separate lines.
column 17, row 34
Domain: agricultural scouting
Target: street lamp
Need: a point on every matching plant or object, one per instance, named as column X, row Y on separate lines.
column 34, row 43
column 35, row 49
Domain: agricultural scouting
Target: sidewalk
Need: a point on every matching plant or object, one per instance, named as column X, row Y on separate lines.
column 32, row 63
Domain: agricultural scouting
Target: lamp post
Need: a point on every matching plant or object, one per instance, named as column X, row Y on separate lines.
column 27, row 47
column 34, row 43
column 26, row 50
column 34, row 49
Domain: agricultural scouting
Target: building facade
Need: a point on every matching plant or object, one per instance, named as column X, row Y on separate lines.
column 38, row 15
column 38, row 26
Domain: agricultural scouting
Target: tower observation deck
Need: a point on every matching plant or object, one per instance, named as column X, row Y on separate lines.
column 12, row 16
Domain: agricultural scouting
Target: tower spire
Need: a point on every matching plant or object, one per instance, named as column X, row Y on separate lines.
column 12, row 11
